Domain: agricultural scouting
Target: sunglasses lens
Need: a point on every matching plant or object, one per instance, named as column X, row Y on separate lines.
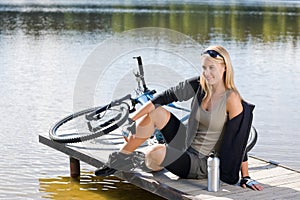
column 212, row 53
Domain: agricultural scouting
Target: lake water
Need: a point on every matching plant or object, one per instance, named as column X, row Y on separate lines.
column 45, row 47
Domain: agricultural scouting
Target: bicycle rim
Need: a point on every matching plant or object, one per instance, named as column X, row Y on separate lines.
column 74, row 128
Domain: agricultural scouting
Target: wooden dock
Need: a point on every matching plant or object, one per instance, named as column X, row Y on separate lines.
column 279, row 182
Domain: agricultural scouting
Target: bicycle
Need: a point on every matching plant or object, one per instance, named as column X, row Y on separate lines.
column 102, row 120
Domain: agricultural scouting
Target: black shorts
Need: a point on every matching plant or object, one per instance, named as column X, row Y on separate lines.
column 181, row 162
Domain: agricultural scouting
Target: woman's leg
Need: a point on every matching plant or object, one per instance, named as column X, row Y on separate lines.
column 170, row 126
column 180, row 163
column 123, row 160
column 146, row 125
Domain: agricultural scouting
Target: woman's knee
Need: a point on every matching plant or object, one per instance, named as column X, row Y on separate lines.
column 155, row 156
column 145, row 127
column 160, row 117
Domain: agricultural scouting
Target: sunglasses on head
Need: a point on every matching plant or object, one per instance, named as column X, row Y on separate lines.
column 213, row 53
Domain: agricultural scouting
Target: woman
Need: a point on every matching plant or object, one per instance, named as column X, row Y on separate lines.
column 211, row 128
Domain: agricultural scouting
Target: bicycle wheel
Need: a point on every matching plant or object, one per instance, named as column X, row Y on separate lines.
column 75, row 128
column 252, row 139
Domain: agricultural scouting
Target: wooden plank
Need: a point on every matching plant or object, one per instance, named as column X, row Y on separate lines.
column 282, row 179
column 186, row 186
column 274, row 192
column 265, row 173
column 279, row 193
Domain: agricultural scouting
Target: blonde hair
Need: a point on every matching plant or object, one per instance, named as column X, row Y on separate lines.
column 228, row 78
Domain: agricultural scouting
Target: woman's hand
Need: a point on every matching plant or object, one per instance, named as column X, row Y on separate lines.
column 250, row 183
column 246, row 181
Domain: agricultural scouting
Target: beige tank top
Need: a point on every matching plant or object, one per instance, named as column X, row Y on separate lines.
column 210, row 126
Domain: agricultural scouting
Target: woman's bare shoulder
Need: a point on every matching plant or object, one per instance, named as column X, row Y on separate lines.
column 234, row 104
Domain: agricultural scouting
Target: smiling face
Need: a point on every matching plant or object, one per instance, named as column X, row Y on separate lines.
column 217, row 70
column 213, row 71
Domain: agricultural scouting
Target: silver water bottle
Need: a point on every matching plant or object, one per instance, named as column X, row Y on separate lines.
column 213, row 169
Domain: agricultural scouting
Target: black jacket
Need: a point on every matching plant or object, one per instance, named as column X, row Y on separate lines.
column 234, row 142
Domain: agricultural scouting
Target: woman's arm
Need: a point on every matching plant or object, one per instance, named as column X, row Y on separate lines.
column 234, row 108
column 182, row 91
column 245, row 173
column 244, row 169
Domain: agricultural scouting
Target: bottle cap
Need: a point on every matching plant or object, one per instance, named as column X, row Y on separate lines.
column 213, row 154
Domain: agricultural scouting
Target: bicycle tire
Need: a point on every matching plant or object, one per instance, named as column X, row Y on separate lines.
column 108, row 125
column 252, row 139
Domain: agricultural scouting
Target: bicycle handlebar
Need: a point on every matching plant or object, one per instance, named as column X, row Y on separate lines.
column 93, row 115
column 118, row 101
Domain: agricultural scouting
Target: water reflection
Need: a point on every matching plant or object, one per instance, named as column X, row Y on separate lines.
column 199, row 21
column 91, row 187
